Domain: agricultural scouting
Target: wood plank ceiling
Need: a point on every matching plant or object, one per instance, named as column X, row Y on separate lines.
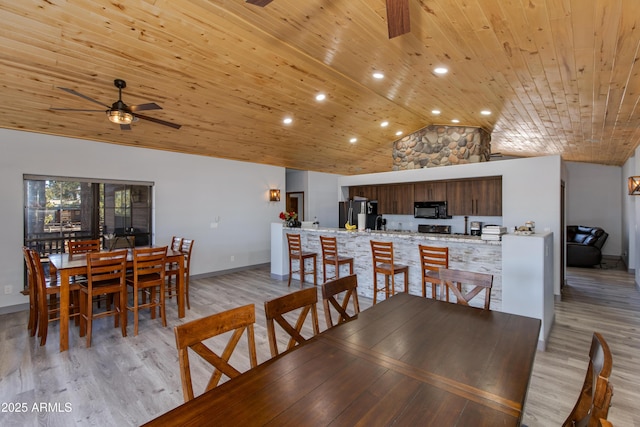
column 559, row 77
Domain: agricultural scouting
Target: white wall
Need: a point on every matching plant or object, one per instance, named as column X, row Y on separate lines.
column 594, row 198
column 530, row 191
column 222, row 204
column 628, row 216
column 319, row 195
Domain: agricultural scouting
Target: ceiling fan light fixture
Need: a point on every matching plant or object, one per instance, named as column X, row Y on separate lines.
column 120, row 117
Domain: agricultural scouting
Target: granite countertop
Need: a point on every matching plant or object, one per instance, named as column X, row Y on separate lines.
column 403, row 234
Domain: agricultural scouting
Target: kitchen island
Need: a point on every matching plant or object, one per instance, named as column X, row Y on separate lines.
column 465, row 253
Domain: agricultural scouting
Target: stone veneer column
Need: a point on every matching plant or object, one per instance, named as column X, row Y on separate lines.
column 441, row 146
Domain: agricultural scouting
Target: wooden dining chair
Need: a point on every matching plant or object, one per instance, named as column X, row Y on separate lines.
column 465, row 285
column 106, row 275
column 296, row 253
column 347, row 287
column 186, row 246
column 176, row 243
column 81, row 247
column 191, row 334
column 432, row 259
column 49, row 308
column 595, row 397
column 32, row 289
column 148, row 277
column 330, row 257
column 305, row 301
column 384, row 263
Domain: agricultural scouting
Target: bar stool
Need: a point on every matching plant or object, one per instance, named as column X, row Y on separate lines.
column 432, row 259
column 382, row 253
column 295, row 252
column 330, row 257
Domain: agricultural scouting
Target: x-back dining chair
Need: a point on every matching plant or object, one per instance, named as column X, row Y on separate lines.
column 465, row 285
column 190, row 336
column 595, row 397
column 347, row 287
column 304, row 300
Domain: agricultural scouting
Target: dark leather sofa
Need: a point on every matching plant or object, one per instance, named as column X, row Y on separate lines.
column 584, row 245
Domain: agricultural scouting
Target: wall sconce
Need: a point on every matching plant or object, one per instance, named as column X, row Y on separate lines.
column 634, row 185
column 274, row 195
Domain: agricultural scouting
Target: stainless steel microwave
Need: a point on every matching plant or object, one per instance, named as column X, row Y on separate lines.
column 432, row 210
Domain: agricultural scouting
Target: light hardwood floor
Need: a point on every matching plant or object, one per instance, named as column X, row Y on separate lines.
column 128, row 381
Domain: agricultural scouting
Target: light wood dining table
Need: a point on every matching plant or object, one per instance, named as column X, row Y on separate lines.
column 68, row 266
column 407, row 360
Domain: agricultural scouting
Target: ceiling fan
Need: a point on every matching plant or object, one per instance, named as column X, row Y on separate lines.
column 119, row 112
column 397, row 15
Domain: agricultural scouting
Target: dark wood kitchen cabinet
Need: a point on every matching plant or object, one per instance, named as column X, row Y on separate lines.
column 395, row 199
column 368, row 191
column 479, row 197
column 430, row 191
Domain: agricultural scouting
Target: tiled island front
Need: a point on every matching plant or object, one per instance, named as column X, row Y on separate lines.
column 465, row 253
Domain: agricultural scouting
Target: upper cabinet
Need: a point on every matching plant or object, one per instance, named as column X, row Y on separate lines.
column 430, row 191
column 479, row 197
column 368, row 191
column 395, row 199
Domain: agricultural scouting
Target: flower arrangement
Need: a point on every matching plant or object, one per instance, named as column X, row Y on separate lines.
column 288, row 216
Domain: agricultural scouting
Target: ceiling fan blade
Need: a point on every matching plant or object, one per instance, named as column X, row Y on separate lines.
column 73, row 92
column 261, row 3
column 145, row 107
column 77, row 109
column 161, row 122
column 398, row 17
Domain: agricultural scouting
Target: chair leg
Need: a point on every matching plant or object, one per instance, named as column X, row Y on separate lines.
column 89, row 319
column 301, row 272
column 315, row 273
column 290, row 272
column 121, row 299
column 162, row 306
column 375, row 287
column 186, row 290
column 135, row 312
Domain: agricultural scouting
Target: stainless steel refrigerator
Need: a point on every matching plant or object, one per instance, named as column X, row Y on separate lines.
column 349, row 210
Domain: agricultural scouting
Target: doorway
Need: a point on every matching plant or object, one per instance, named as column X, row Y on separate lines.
column 295, row 203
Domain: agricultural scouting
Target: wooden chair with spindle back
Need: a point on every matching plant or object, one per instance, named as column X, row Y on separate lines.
column 296, row 253
column 148, row 277
column 432, row 259
column 191, row 334
column 465, row 285
column 106, row 275
column 330, row 257
column 304, row 300
column 595, row 397
column 347, row 287
column 384, row 263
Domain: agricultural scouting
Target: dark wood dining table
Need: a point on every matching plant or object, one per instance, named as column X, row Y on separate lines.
column 68, row 266
column 407, row 360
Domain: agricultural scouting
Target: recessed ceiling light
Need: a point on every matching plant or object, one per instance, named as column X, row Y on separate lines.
column 321, row 97
column 440, row 70
column 353, row 140
column 485, row 112
column 378, row 75
column 384, row 124
column 455, row 121
column 436, row 112
column 399, row 133
column 287, row 120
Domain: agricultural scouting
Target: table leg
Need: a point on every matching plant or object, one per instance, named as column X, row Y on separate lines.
column 181, row 289
column 64, row 310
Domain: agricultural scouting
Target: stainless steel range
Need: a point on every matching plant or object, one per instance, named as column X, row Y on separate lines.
column 435, row 229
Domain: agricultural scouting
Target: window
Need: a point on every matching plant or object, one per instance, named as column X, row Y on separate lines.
column 61, row 209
